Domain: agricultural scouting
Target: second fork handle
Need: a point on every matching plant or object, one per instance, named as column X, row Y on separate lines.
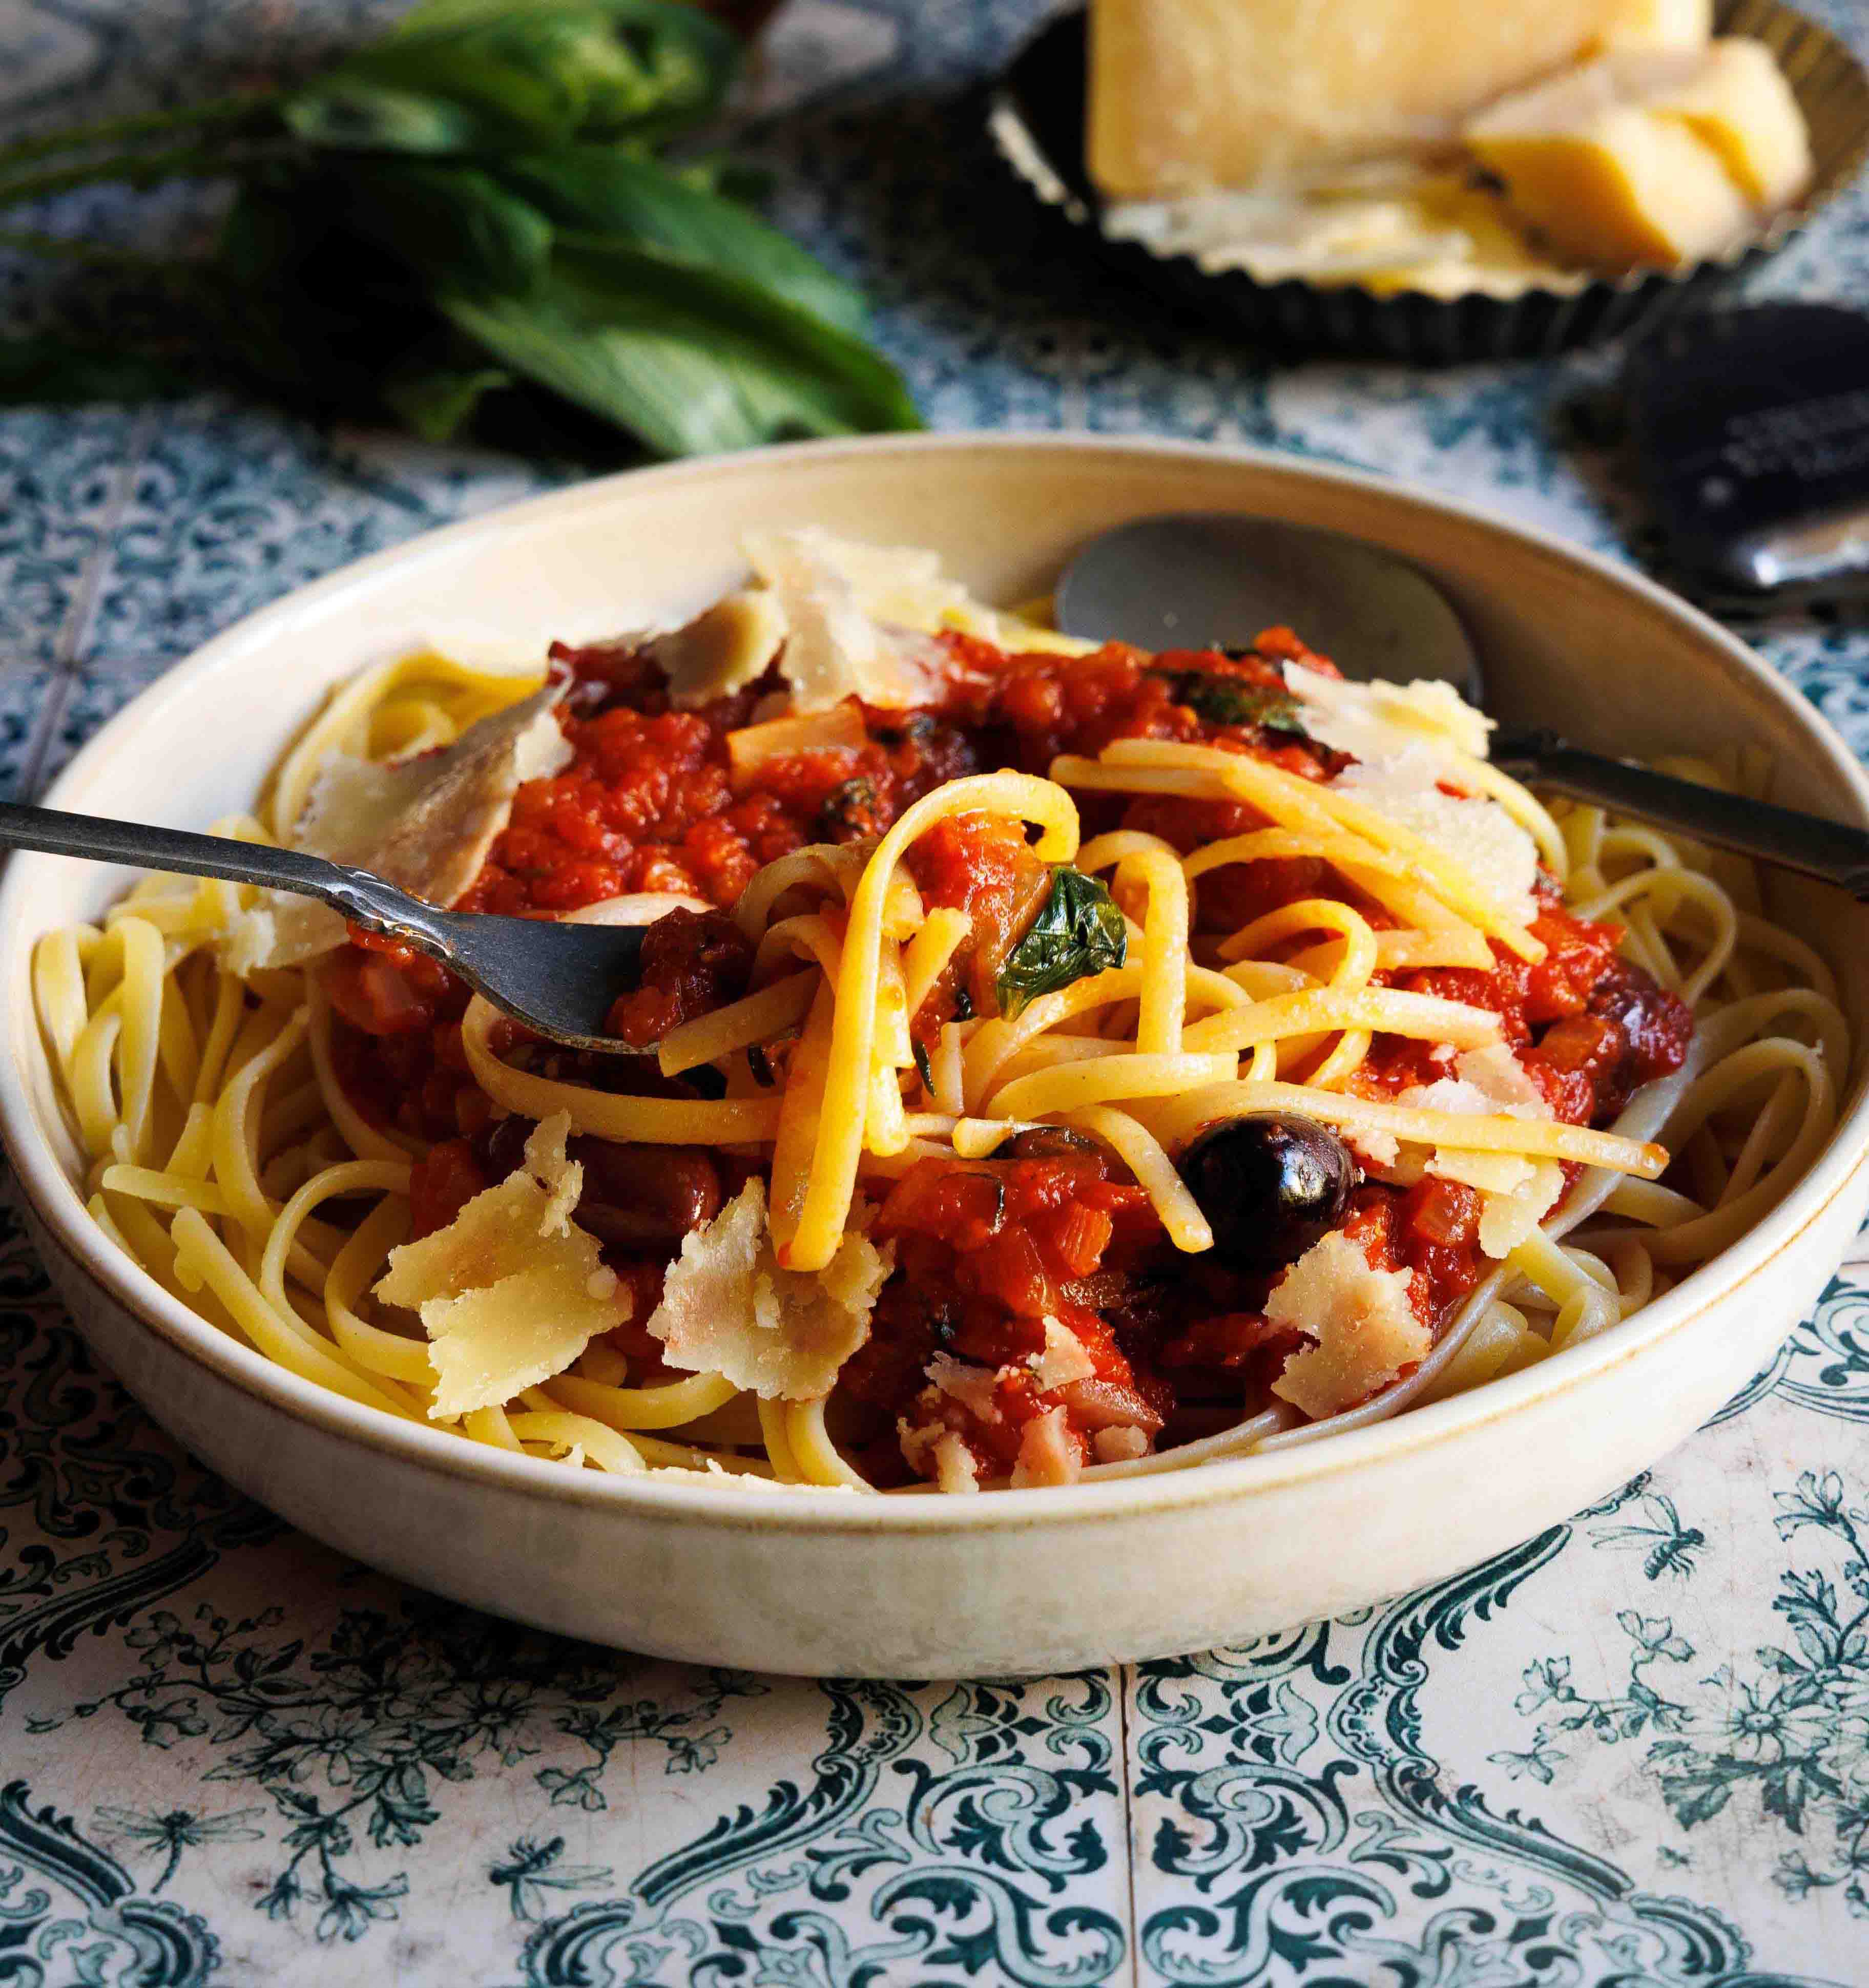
column 1829, row 850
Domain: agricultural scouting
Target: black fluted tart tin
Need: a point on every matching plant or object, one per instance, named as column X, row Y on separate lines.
column 1038, row 124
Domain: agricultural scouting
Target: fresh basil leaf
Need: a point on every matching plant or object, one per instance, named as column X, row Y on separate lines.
column 54, row 372
column 458, row 225
column 351, row 113
column 1225, row 700
column 437, row 404
column 690, row 360
column 1078, row 931
column 495, row 75
column 598, row 190
column 314, row 309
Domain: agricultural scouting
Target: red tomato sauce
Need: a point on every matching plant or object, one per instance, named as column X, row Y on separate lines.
column 986, row 1250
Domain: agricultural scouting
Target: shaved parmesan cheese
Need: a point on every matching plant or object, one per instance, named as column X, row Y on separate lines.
column 563, row 1179
column 1507, row 1219
column 728, row 1307
column 901, row 585
column 1365, row 1328
column 1492, row 1173
column 425, row 825
column 1064, row 1359
column 1119, row 1445
column 973, row 1387
column 955, row 1469
column 1047, row 1454
column 1477, row 833
column 1487, row 1082
column 837, row 645
column 490, row 1344
column 495, row 1237
column 510, row 1292
column 732, row 644
column 1383, row 721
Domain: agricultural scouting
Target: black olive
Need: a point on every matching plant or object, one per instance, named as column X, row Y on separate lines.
column 1270, row 1187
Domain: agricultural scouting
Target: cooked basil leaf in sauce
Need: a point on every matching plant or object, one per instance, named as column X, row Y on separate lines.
column 1225, row 700
column 1078, row 931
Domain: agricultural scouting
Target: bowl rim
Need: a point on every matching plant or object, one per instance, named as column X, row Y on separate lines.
column 59, row 1218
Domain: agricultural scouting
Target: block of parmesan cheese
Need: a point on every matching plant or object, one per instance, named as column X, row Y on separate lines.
column 1190, row 94
column 1648, row 157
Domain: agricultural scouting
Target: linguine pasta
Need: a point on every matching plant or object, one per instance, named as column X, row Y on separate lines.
column 906, row 1195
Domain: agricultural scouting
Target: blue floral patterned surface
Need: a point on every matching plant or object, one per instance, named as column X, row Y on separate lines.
column 1635, row 1750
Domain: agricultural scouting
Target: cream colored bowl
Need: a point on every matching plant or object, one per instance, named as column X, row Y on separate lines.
column 820, row 1582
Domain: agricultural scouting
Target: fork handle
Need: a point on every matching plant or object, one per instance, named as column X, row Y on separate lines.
column 358, row 894
column 1827, row 849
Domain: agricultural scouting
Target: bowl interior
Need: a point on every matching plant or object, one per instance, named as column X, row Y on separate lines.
column 1564, row 638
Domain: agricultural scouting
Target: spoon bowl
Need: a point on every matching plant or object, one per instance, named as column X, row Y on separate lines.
column 1214, row 579
column 1201, row 580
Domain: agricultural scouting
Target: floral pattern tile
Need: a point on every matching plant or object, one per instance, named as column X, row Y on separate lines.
column 1633, row 1751
column 231, row 505
column 28, row 710
column 63, row 478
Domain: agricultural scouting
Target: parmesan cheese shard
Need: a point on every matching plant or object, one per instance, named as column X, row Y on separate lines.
column 836, row 644
column 974, row 1388
column 1485, row 1082
column 1507, row 1219
column 1047, row 1454
column 425, row 825
column 563, row 1179
column 729, row 645
column 728, row 1307
column 1064, row 1359
column 1491, row 1173
column 955, row 1470
column 1187, row 94
column 1476, row 833
column 511, row 1292
column 1120, row 1445
column 1361, row 1317
column 1384, row 721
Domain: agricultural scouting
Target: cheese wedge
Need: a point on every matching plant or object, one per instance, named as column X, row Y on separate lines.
column 1648, row 157
column 1734, row 98
column 1189, row 94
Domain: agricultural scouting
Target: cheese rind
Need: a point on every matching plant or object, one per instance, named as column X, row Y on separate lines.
column 1185, row 94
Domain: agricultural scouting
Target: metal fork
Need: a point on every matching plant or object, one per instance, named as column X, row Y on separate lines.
column 560, row 980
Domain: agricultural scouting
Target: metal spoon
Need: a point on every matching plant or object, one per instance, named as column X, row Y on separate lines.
column 559, row 980
column 1201, row 580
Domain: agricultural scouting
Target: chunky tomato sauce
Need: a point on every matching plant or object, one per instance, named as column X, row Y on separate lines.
column 987, row 1250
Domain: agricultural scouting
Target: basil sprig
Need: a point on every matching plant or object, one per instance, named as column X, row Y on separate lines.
column 1227, row 700
column 1078, row 931
column 474, row 204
